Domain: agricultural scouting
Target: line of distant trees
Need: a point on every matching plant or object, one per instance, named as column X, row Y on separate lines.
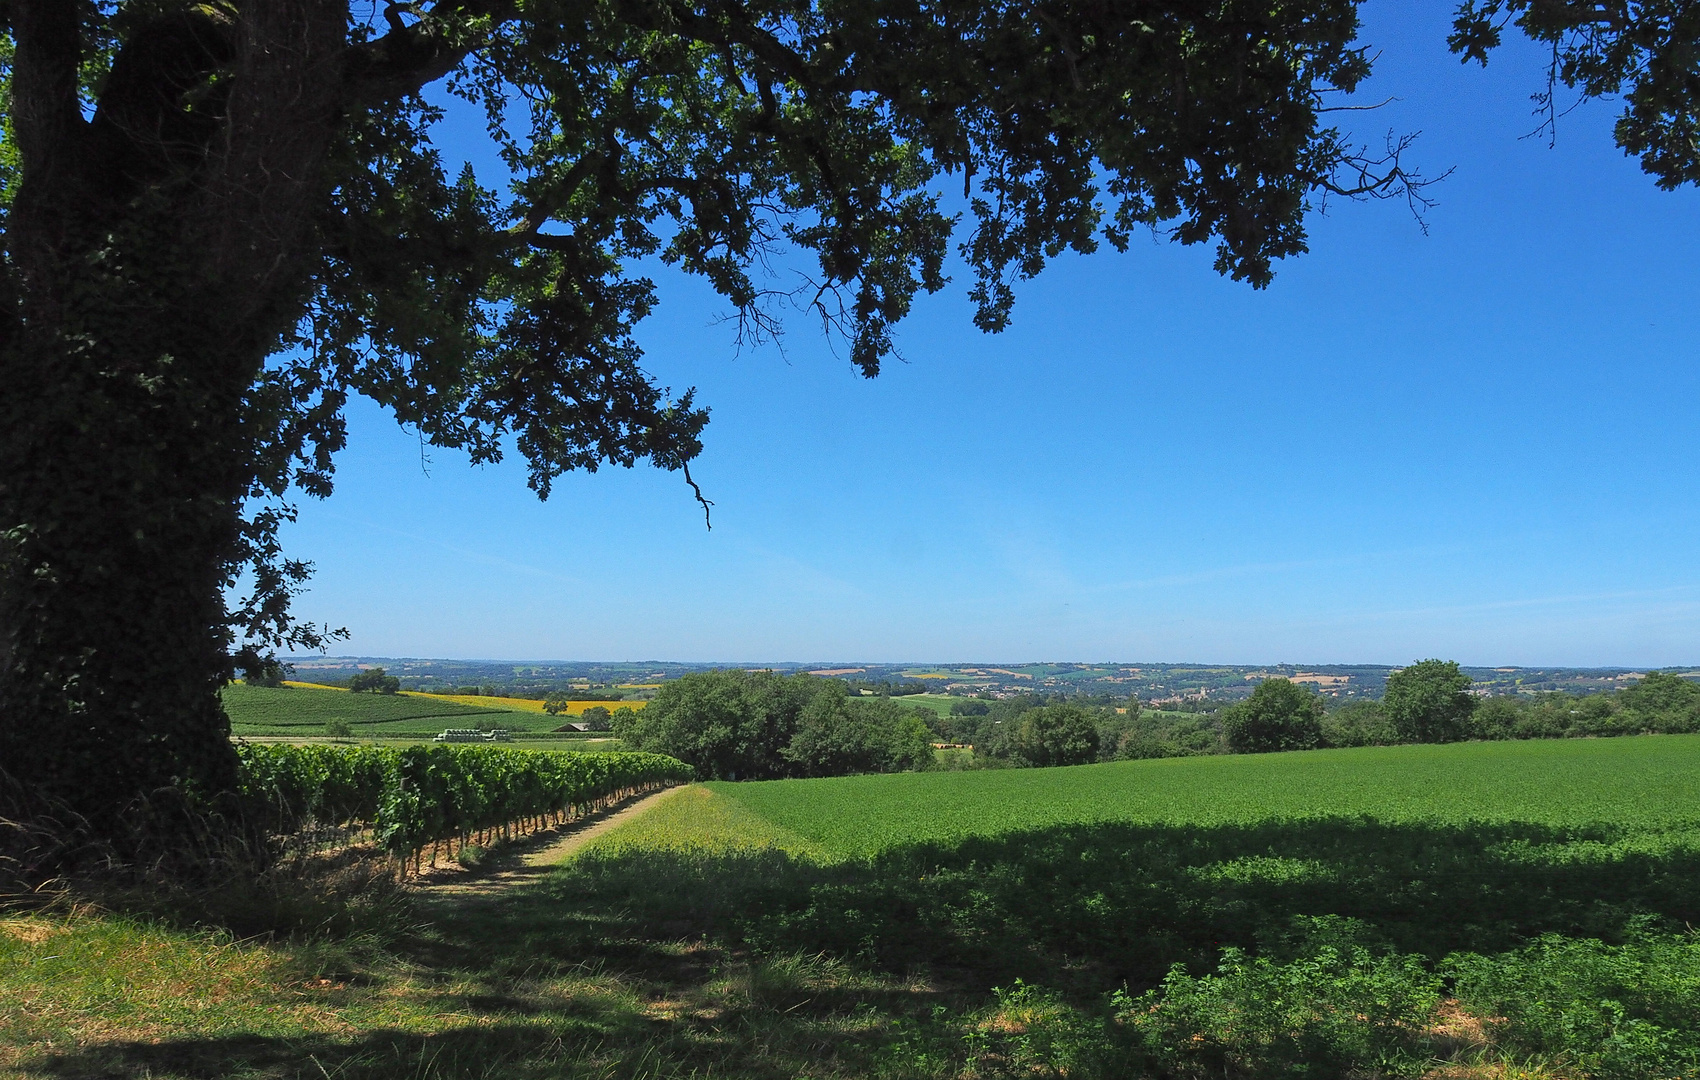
column 1428, row 702
column 758, row 725
column 741, row 725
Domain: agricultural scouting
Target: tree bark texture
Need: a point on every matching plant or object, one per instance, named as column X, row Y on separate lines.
column 154, row 261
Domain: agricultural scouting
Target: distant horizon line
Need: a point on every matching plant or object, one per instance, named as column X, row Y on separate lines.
column 293, row 658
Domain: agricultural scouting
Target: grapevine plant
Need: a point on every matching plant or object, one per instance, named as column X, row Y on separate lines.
column 418, row 796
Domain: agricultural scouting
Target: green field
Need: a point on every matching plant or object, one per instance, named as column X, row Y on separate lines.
column 1098, row 877
column 301, row 712
column 257, row 710
column 1651, row 781
column 937, row 703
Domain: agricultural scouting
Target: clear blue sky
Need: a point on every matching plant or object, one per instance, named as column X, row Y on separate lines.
column 1482, row 444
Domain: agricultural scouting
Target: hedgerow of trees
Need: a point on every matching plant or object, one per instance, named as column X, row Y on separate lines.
column 1282, row 715
column 758, row 725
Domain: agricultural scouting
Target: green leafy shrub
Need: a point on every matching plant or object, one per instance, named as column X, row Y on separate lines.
column 1430, row 702
column 1279, row 715
column 1622, row 1012
column 1033, row 1033
column 1340, row 1009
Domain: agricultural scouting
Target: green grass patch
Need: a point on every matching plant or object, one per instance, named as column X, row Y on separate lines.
column 936, row 703
column 694, row 819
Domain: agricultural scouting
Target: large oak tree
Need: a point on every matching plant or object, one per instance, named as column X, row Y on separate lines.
column 222, row 218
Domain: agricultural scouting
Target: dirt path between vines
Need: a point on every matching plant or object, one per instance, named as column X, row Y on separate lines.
column 532, row 858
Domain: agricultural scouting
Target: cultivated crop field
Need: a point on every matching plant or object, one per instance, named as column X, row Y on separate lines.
column 257, row 710
column 304, row 709
column 525, row 705
column 1631, row 784
column 1548, row 883
column 1639, row 786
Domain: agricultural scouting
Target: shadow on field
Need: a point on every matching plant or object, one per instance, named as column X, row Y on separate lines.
column 654, row 964
column 486, row 1051
column 1090, row 908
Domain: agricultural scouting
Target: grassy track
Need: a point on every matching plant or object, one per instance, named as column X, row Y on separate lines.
column 1649, row 780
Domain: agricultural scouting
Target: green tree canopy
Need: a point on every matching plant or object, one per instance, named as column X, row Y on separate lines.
column 1429, row 702
column 838, row 735
column 1661, row 693
column 742, row 725
column 1641, row 53
column 1062, row 734
column 597, row 718
column 730, row 724
column 1279, row 715
column 374, row 680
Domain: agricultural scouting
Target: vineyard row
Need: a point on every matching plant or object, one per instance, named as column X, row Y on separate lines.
column 414, row 797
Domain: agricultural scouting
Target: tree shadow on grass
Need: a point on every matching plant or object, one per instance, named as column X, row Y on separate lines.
column 517, row 1051
column 758, row 964
column 1093, row 907
column 519, row 988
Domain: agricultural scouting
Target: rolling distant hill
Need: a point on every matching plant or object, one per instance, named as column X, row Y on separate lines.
column 1151, row 682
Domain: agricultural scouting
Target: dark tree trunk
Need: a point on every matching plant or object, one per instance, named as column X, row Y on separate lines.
column 119, row 499
column 154, row 258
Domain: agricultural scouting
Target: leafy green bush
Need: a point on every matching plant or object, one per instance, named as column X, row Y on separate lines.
column 1033, row 1033
column 1622, row 1012
column 1429, row 702
column 1279, row 715
column 1359, row 723
column 1341, row 1008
